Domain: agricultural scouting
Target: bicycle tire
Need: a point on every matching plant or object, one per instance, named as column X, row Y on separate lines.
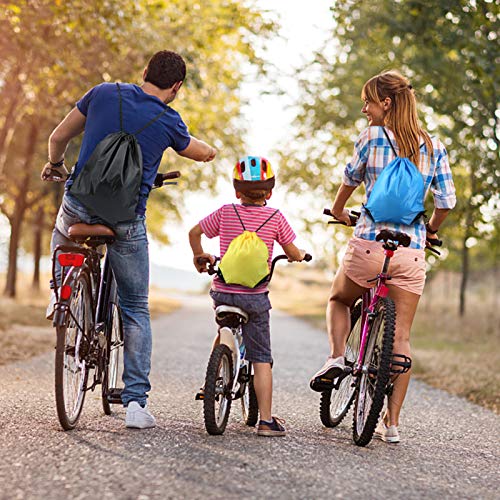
column 217, row 399
column 114, row 352
column 249, row 404
column 70, row 341
column 371, row 391
column 335, row 403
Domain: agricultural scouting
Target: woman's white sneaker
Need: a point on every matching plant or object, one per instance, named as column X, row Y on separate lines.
column 387, row 434
column 139, row 417
column 323, row 379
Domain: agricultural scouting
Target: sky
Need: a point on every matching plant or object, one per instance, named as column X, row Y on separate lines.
column 268, row 117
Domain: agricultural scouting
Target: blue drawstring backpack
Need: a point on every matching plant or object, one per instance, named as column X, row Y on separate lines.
column 398, row 193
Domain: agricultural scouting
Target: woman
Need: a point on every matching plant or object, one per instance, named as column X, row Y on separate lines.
column 390, row 106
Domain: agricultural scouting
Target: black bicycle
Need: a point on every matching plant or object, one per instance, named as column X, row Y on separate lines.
column 88, row 320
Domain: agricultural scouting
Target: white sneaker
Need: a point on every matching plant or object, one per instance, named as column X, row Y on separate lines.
column 139, row 417
column 387, row 434
column 333, row 368
column 49, row 313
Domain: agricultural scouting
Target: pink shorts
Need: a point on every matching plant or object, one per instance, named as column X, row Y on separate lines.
column 364, row 258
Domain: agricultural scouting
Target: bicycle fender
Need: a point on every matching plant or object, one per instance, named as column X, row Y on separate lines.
column 226, row 337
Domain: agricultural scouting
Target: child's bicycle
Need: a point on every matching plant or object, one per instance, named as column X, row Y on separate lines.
column 229, row 375
column 369, row 359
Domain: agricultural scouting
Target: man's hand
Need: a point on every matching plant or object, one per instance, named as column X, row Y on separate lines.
column 54, row 174
column 202, row 268
column 212, row 154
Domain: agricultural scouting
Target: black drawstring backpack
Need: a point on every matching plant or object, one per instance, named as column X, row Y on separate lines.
column 109, row 183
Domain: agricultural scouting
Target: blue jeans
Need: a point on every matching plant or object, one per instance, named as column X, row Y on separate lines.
column 129, row 260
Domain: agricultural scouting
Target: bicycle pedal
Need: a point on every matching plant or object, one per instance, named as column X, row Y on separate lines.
column 114, row 396
column 321, row 384
column 200, row 396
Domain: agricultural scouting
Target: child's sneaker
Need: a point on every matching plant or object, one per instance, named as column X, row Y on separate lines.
column 387, row 434
column 271, row 429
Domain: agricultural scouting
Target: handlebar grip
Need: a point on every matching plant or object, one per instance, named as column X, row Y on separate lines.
column 308, row 257
column 327, row 211
column 435, row 242
column 161, row 178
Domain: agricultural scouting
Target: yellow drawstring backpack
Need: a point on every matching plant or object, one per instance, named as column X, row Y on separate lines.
column 246, row 259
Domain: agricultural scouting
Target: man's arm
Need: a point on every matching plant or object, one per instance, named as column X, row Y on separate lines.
column 198, row 151
column 72, row 125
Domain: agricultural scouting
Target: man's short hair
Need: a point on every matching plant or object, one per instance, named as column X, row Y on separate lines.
column 165, row 68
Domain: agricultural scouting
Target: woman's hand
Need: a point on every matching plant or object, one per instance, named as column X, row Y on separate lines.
column 342, row 216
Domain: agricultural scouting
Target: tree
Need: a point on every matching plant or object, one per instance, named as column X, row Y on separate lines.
column 449, row 51
column 54, row 51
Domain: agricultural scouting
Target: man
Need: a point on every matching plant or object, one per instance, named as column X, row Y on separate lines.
column 98, row 114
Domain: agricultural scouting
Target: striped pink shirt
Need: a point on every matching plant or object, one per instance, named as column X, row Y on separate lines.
column 225, row 223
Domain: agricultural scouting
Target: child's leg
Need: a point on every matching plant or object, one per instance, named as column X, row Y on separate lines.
column 263, row 384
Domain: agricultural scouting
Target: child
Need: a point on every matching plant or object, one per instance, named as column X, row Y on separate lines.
column 253, row 180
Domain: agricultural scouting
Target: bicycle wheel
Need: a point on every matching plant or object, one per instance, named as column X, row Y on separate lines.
column 114, row 357
column 376, row 372
column 249, row 404
column 218, row 382
column 71, row 372
column 335, row 403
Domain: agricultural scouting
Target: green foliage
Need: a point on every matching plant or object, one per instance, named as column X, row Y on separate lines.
column 449, row 50
column 53, row 51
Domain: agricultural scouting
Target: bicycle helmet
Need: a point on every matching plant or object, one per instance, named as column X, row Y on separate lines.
column 253, row 172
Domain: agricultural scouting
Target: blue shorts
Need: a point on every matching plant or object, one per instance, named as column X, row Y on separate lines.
column 256, row 332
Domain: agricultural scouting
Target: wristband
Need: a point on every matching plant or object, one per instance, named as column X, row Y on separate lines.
column 59, row 163
column 429, row 229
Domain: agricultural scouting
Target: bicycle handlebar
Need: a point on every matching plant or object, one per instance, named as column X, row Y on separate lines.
column 354, row 216
column 161, row 178
column 212, row 270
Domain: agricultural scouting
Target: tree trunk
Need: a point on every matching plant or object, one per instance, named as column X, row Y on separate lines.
column 465, row 258
column 465, row 274
column 15, row 233
column 17, row 218
column 37, row 246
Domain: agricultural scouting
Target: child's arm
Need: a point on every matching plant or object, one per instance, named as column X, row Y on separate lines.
column 294, row 253
column 197, row 248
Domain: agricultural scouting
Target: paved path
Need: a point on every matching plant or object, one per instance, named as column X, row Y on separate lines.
column 449, row 447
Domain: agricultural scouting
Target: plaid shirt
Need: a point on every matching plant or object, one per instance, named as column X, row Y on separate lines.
column 372, row 152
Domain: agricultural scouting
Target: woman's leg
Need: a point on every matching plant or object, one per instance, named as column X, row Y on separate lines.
column 338, row 311
column 406, row 305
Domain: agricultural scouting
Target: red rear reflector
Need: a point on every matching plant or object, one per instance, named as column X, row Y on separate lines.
column 71, row 259
column 65, row 292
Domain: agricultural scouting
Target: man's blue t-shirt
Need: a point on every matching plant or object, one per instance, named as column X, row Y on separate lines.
column 101, row 107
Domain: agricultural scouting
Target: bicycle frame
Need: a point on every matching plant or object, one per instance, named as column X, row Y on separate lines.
column 233, row 338
column 369, row 300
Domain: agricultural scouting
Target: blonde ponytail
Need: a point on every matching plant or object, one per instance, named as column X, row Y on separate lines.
column 402, row 117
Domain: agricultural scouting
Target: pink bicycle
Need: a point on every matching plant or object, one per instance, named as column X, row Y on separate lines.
column 369, row 359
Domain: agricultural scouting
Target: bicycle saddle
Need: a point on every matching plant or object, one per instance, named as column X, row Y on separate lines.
column 91, row 233
column 402, row 238
column 230, row 316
